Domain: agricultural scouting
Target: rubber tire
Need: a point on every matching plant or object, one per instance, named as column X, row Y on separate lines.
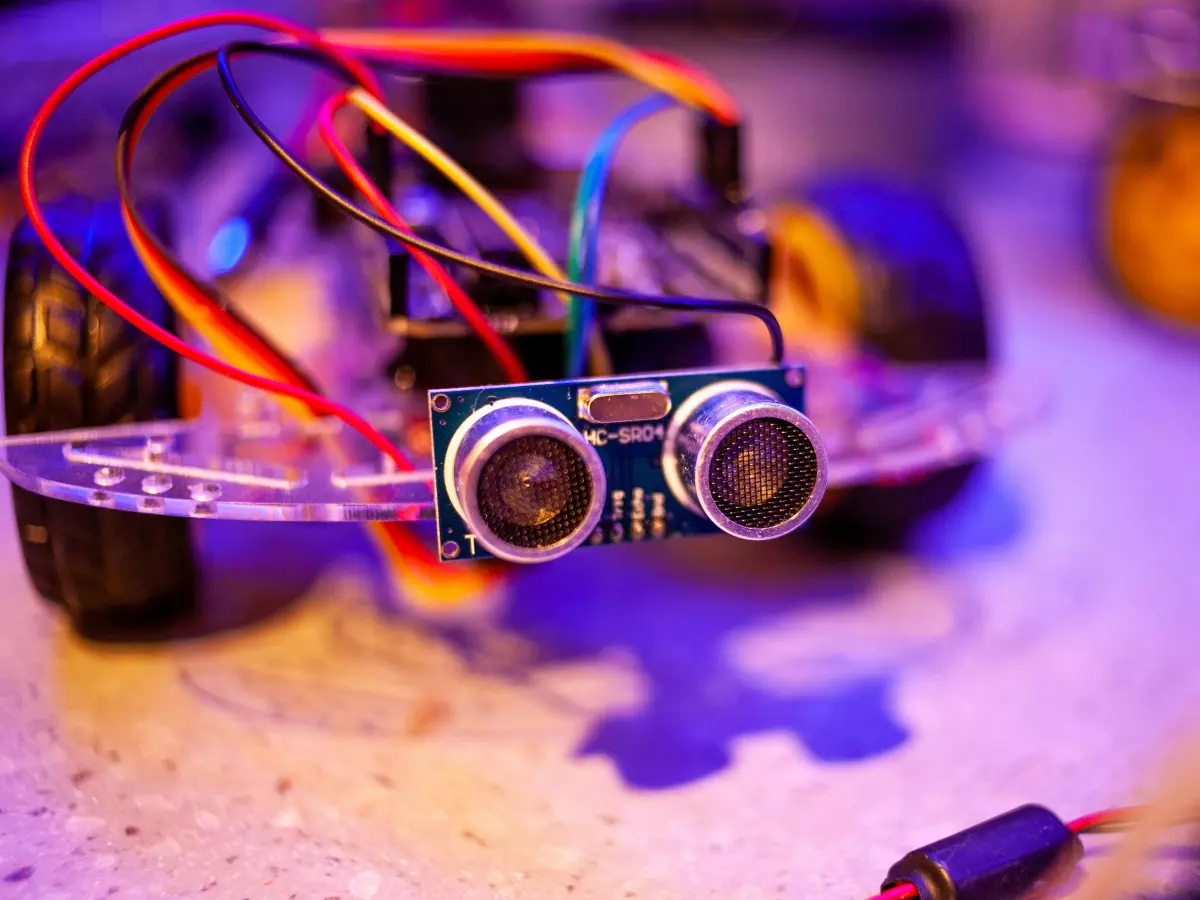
column 70, row 362
column 932, row 309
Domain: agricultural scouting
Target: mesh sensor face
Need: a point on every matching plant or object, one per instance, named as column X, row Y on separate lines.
column 763, row 472
column 534, row 492
column 524, row 480
column 753, row 465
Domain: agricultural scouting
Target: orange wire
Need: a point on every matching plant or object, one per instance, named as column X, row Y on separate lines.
column 38, row 222
column 510, row 364
column 1104, row 819
column 415, row 562
column 206, row 314
column 485, row 53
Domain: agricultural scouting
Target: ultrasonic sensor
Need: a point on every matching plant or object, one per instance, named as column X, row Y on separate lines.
column 756, row 467
column 525, row 481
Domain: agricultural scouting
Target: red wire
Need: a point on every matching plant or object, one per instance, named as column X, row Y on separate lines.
column 1121, row 815
column 541, row 61
column 71, row 265
column 902, row 891
column 513, row 368
column 230, row 322
column 405, row 543
column 38, row 220
column 1117, row 816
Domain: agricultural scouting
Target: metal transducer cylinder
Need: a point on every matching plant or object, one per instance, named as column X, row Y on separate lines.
column 736, row 453
column 524, row 480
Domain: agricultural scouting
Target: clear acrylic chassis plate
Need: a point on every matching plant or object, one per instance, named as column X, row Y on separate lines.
column 880, row 425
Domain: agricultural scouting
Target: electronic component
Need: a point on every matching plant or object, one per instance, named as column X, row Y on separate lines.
column 523, row 479
column 631, row 401
column 527, row 472
column 721, row 158
column 524, row 472
column 998, row 859
column 654, row 242
column 478, row 120
column 738, row 454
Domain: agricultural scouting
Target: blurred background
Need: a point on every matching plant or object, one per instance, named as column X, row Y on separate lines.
column 1064, row 96
column 752, row 721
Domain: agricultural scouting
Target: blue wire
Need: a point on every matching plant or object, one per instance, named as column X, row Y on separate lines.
column 589, row 203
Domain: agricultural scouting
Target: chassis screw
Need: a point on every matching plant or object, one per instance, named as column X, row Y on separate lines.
column 156, row 448
column 205, row 491
column 404, row 378
column 109, row 476
column 156, row 484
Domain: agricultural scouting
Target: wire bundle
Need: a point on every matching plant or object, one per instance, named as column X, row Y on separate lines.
column 247, row 356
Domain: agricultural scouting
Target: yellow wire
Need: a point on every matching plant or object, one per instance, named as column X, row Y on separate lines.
column 690, row 87
column 481, row 196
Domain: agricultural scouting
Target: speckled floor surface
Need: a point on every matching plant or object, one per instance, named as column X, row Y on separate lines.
column 720, row 721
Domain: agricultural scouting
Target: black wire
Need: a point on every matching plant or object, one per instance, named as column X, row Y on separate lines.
column 601, row 294
column 124, row 166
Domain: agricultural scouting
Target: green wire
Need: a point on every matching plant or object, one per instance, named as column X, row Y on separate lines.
column 577, row 316
column 585, row 226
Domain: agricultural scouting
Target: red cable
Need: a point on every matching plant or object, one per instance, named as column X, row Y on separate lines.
column 72, row 266
column 902, row 891
column 539, row 62
column 1118, row 817
column 1121, row 815
column 511, row 365
column 38, row 220
column 513, row 368
column 234, row 327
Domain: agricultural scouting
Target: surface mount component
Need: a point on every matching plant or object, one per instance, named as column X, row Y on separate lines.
column 528, row 472
column 631, row 401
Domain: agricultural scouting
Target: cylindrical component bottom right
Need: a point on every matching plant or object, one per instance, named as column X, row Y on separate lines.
column 1004, row 858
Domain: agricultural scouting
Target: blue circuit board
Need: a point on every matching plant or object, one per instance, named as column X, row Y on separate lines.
column 639, row 505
